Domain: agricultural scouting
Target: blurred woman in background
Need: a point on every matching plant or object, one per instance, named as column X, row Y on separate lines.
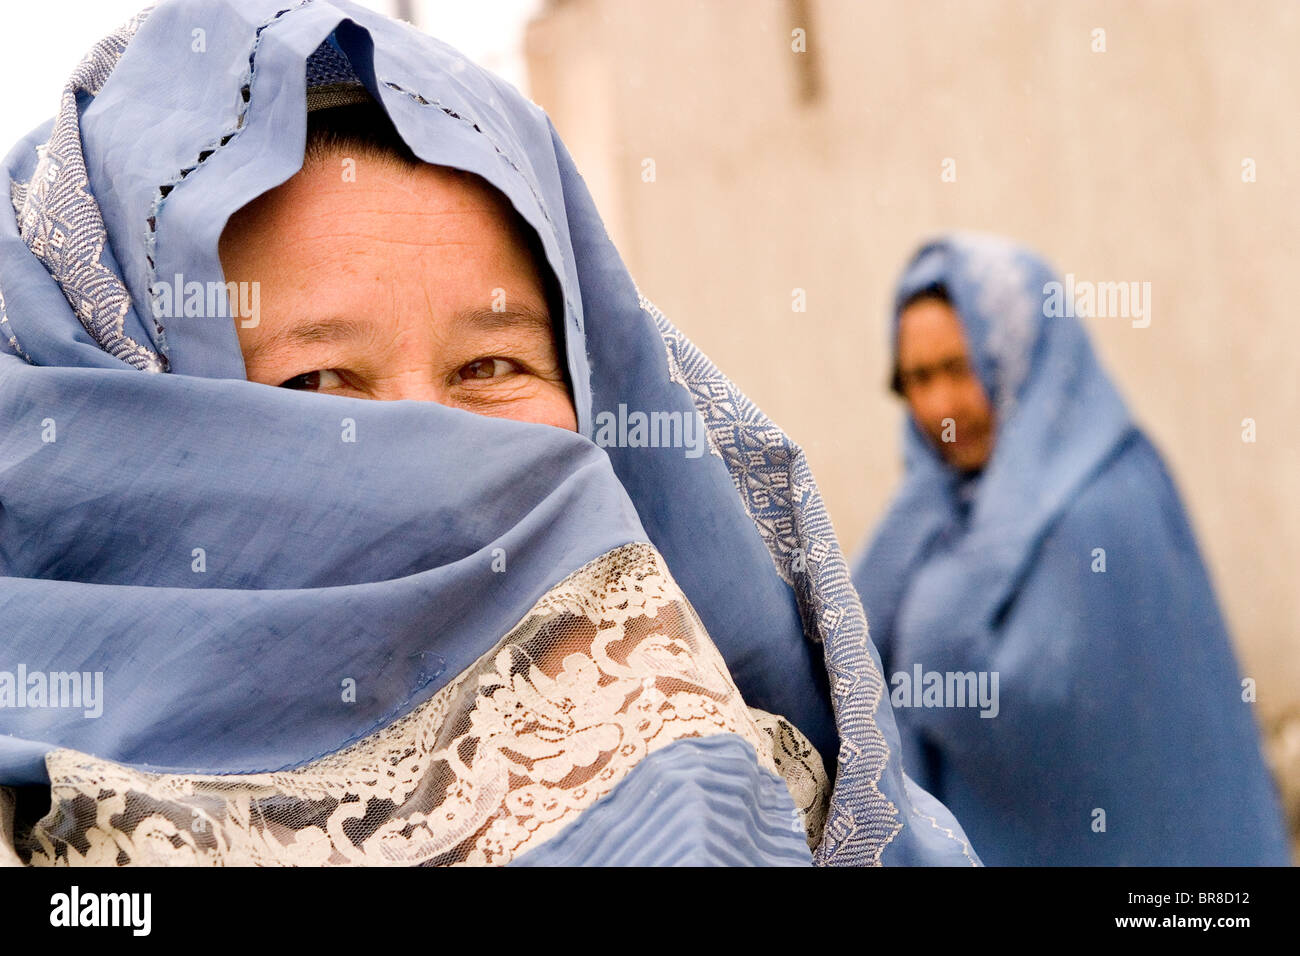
column 1038, row 548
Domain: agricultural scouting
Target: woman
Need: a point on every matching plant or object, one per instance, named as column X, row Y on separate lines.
column 1038, row 545
column 335, row 629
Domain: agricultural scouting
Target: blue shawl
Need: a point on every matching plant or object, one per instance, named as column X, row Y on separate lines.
column 1068, row 568
column 319, row 623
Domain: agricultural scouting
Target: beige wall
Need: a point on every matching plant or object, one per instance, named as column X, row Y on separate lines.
column 1122, row 165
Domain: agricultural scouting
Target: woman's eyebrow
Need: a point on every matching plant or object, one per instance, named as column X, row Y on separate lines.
column 328, row 329
column 935, row 366
column 348, row 328
column 515, row 317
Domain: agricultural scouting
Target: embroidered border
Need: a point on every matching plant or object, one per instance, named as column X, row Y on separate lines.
column 776, row 486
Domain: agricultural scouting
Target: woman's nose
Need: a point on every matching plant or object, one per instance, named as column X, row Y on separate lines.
column 941, row 398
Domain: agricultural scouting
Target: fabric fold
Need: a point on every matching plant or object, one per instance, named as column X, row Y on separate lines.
column 229, row 556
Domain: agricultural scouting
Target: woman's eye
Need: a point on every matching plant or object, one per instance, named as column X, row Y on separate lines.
column 487, row 368
column 321, row 379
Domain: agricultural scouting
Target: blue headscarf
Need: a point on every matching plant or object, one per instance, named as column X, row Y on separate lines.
column 227, row 559
column 1068, row 568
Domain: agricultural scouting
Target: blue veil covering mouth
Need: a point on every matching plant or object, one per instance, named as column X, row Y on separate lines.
column 1068, row 567
column 325, row 632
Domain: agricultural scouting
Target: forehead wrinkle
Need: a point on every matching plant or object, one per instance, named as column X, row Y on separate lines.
column 311, row 213
column 407, row 196
column 378, row 236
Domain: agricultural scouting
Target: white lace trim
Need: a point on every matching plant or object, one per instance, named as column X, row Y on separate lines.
column 609, row 666
column 800, row 765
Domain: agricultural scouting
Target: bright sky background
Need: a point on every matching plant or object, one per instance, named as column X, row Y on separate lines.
column 41, row 42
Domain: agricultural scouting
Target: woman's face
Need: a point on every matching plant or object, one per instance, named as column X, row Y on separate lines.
column 391, row 281
column 940, row 386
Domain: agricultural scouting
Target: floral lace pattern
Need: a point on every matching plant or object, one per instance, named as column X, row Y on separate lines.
column 609, row 666
column 799, row 763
